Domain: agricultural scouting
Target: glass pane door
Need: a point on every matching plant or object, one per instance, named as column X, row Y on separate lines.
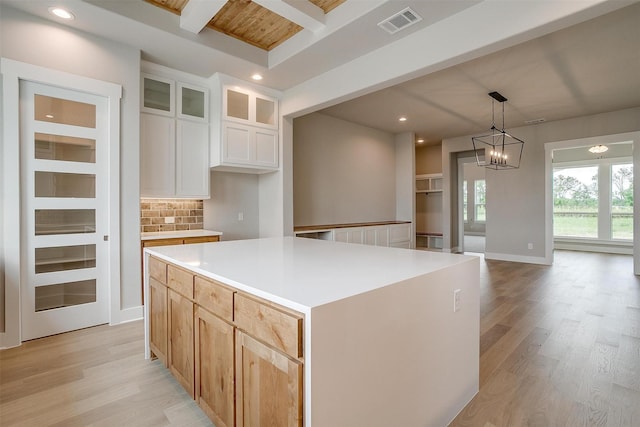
column 64, row 156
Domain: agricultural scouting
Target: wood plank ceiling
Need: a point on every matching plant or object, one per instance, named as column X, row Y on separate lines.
column 250, row 22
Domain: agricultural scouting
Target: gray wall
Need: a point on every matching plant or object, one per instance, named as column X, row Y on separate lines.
column 29, row 39
column 231, row 194
column 342, row 172
column 516, row 198
column 2, row 313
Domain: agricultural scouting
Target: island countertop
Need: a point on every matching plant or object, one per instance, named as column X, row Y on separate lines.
column 389, row 336
column 304, row 273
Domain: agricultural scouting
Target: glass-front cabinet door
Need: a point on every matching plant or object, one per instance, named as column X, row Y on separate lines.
column 193, row 102
column 158, row 95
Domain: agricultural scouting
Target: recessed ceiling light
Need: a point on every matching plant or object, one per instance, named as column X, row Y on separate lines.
column 420, row 140
column 402, row 119
column 49, row 116
column 257, row 77
column 61, row 13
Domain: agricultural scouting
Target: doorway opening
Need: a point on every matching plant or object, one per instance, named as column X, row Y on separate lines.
column 472, row 214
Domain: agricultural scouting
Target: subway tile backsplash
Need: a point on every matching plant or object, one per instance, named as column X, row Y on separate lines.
column 187, row 215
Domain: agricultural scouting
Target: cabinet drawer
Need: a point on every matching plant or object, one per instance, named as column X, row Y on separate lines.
column 215, row 297
column 205, row 239
column 158, row 270
column 180, row 281
column 278, row 327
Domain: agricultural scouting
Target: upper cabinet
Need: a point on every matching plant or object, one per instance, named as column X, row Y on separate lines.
column 250, row 107
column 174, row 135
column 244, row 132
column 158, row 95
column 193, row 102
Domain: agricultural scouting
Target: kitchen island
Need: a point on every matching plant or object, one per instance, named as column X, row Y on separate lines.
column 362, row 335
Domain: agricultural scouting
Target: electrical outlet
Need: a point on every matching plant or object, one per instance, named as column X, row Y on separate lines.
column 530, row 246
column 456, row 299
column 240, row 216
column 169, row 219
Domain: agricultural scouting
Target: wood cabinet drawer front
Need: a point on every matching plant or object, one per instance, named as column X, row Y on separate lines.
column 180, row 281
column 162, row 242
column 277, row 327
column 201, row 239
column 215, row 297
column 158, row 270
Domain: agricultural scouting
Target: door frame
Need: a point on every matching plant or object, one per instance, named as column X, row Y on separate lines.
column 12, row 72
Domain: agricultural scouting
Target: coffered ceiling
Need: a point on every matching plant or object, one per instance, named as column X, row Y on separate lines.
column 250, row 21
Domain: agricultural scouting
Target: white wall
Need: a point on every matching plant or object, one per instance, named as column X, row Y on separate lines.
column 342, row 172
column 516, row 198
column 231, row 194
column 32, row 40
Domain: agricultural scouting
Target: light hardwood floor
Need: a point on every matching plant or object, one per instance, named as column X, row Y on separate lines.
column 559, row 346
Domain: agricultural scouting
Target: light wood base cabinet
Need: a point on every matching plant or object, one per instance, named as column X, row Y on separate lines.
column 214, row 347
column 180, row 321
column 240, row 357
column 158, row 311
column 268, row 385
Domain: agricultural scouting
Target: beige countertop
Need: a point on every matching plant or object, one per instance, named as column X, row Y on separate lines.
column 178, row 234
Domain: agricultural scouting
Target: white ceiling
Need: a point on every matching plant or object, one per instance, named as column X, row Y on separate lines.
column 589, row 68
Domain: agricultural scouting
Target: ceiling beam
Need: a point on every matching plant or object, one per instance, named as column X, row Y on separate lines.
column 197, row 13
column 302, row 12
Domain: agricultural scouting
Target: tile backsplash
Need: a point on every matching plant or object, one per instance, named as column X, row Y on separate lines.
column 186, row 214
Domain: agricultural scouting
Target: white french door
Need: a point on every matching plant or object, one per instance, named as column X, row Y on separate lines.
column 64, row 152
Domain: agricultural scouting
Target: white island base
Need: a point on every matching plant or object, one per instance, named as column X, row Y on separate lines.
column 383, row 345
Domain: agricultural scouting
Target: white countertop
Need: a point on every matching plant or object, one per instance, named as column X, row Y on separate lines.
column 304, row 273
column 178, row 234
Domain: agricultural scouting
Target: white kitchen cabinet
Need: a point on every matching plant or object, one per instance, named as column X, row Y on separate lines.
column 249, row 107
column 174, row 157
column 248, row 145
column 244, row 127
column 158, row 95
column 400, row 235
column 192, row 159
column 193, row 102
column 157, row 156
column 349, row 235
column 376, row 236
column 174, row 135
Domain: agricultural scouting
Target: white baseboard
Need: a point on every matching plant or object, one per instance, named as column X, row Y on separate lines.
column 517, row 258
column 128, row 315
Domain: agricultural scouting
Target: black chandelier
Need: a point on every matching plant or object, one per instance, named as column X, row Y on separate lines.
column 498, row 150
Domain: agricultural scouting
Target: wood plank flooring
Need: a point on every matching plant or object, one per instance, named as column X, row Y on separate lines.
column 559, row 346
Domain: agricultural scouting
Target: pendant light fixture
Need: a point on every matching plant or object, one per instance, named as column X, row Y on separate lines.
column 497, row 150
column 598, row 149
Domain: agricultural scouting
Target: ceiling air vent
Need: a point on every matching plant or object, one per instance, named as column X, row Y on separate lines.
column 400, row 20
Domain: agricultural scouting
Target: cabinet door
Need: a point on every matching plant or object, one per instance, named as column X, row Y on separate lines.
column 180, row 326
column 157, row 156
column 157, row 95
column 341, row 235
column 192, row 159
column 266, row 147
column 158, row 319
column 193, row 102
column 268, row 385
column 236, row 143
column 214, row 373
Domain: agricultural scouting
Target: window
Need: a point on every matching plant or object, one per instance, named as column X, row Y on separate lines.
column 575, row 202
column 480, row 200
column 622, row 201
column 464, row 201
column 593, row 201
